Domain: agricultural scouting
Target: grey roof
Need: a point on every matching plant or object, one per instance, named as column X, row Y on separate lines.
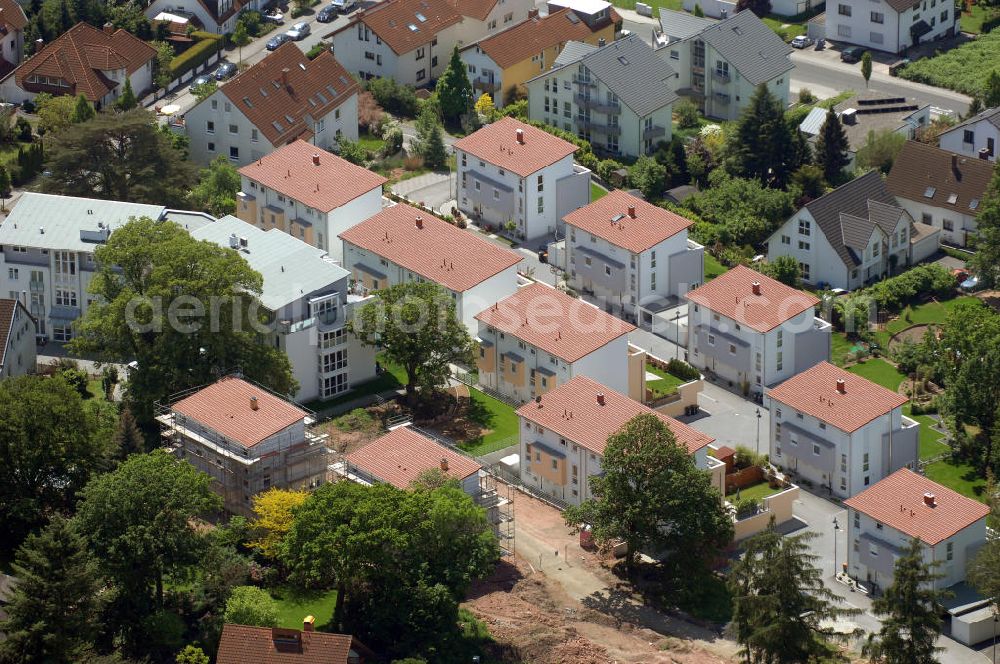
column 68, row 223
column 754, row 49
column 291, row 268
column 572, row 52
column 681, row 25
column 847, row 216
column 877, row 111
column 188, row 220
column 991, row 115
column 814, row 121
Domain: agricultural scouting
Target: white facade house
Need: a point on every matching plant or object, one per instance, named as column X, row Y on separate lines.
column 483, row 18
column 310, row 301
column 754, row 331
column 724, row 8
column 401, row 244
column 47, row 257
column 892, row 26
column 283, row 98
column 852, row 236
column 564, row 433
column 518, row 179
column 540, row 338
column 940, row 188
column 976, row 137
column 838, row 430
column 904, row 506
column 217, row 16
column 17, row 339
column 628, row 253
column 308, row 193
column 619, row 96
column 720, row 64
column 13, row 21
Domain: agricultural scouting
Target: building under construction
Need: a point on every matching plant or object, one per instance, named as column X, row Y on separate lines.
column 246, row 438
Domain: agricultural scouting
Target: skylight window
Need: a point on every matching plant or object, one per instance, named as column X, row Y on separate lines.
column 622, row 59
column 321, row 97
column 332, row 91
column 421, row 17
column 974, row 203
column 246, row 100
column 263, row 92
column 277, row 125
column 929, row 192
column 289, row 119
column 413, row 28
column 302, row 66
column 952, row 199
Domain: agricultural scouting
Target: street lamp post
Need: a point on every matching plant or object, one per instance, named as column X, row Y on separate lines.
column 677, row 332
column 836, row 528
column 758, row 431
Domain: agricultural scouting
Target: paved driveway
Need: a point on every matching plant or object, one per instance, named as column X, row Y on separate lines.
column 434, row 190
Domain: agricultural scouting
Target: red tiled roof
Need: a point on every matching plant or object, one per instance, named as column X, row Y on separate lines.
column 12, row 15
column 573, row 412
column 535, row 35
column 292, row 170
column 277, row 93
column 608, row 218
column 225, row 407
column 815, row 392
column 241, row 644
column 391, row 20
column 731, row 295
column 81, row 54
column 551, row 320
column 439, row 251
column 497, row 144
column 399, row 457
column 898, row 502
column 477, row 9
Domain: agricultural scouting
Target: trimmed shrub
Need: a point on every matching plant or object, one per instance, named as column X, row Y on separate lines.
column 682, row 369
column 208, row 44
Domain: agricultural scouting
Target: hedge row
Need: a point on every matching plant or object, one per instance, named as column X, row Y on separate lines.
column 989, row 24
column 208, row 44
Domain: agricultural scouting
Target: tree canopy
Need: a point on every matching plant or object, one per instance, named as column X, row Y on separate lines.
column 832, row 148
column 737, row 211
column 250, row 605
column 274, row 511
column 761, row 145
column 454, row 89
column 986, row 260
column 217, row 188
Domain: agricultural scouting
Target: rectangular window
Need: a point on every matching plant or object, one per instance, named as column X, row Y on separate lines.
column 786, row 240
column 234, row 153
column 421, row 74
column 541, row 204
column 233, row 129
column 864, row 466
column 210, row 127
column 65, row 297
column 950, row 549
column 844, row 10
column 805, row 228
column 815, row 449
column 876, row 38
column 878, row 17
column 804, row 246
column 948, row 224
column 12, row 274
column 968, row 136
column 541, row 183
column 843, row 31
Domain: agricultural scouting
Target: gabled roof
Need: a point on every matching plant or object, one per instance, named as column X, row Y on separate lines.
column 406, row 24
column 497, row 143
column 8, row 310
column 746, row 43
column 682, row 25
column 609, row 218
column 226, row 408
column 816, row 392
column 81, row 55
column 573, row 412
column 400, row 456
column 12, row 16
column 554, row 322
column 572, row 52
column 931, row 176
column 241, row 644
column 293, row 170
column 899, row 502
column 991, row 115
column 431, row 247
column 848, row 215
column 731, row 295
column 278, row 93
column 477, row 9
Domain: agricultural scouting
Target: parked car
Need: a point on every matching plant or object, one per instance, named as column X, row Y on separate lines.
column 274, row 42
column 225, row 71
column 801, row 41
column 275, row 16
column 299, row 31
column 327, row 14
column 852, row 54
column 201, row 80
column 345, row 6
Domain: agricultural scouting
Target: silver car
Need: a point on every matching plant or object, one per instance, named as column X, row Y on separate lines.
column 299, row 31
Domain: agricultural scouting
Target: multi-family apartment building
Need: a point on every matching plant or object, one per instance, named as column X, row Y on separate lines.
column 217, row 16
column 563, row 435
column 721, row 63
column 47, row 257
column 976, row 137
column 838, row 430
column 853, row 235
column 17, row 339
column 539, row 338
column 754, row 331
column 84, row 60
column 246, row 439
column 501, row 64
column 518, row 179
column 887, row 515
column 892, row 26
column 618, row 96
column 283, row 98
column 309, row 193
column 12, row 24
column 940, row 188
column 309, row 299
column 627, row 253
column 481, row 18
column 401, row 244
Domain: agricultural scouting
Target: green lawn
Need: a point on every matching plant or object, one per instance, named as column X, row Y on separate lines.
column 494, row 415
column 676, row 5
column 879, row 371
column 294, row 605
column 713, row 267
column 757, row 491
column 931, row 444
column 392, row 378
column 666, row 384
column 371, row 143
column 839, row 348
column 596, row 191
column 960, row 477
column 786, row 33
column 973, row 21
column 964, row 69
column 922, row 314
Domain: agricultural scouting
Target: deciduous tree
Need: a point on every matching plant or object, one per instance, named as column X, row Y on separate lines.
column 217, row 188
column 986, row 260
column 274, row 511
column 250, row 605
column 984, row 569
column 649, row 176
column 429, row 143
column 785, row 269
column 241, row 38
column 880, row 150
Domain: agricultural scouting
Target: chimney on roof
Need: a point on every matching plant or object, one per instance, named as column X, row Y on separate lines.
column 930, row 500
column 533, row 13
column 841, row 386
column 419, row 221
column 631, row 211
column 600, row 42
column 756, row 288
column 39, row 45
column 109, row 28
column 538, row 400
column 253, row 403
column 315, row 159
column 284, row 77
column 600, row 398
column 520, row 136
column 444, row 465
column 308, row 623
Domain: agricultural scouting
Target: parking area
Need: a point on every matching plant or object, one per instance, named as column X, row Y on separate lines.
column 433, row 190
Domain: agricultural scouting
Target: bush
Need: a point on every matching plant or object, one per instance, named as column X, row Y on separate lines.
column 687, row 114
column 352, row 152
column 22, row 129
column 682, row 369
column 400, row 100
column 77, row 379
column 746, row 507
column 208, row 44
column 316, row 50
column 896, row 292
column 806, row 96
column 963, row 69
column 747, row 458
column 358, row 419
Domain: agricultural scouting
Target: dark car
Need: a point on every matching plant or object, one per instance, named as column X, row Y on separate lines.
column 852, row 54
column 201, row 80
column 226, row 70
column 327, row 14
column 543, row 253
column 274, row 42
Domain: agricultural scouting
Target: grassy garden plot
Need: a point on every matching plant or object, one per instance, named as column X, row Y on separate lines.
column 713, row 267
column 758, row 491
column 371, row 143
column 787, row 31
column 666, row 383
column 676, row 5
column 972, row 21
column 596, row 191
column 497, row 423
column 879, row 371
column 960, row 477
column 294, row 605
column 963, row 69
column 931, row 444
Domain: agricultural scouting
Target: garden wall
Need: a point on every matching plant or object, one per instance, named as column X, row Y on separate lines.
column 741, row 479
column 778, row 506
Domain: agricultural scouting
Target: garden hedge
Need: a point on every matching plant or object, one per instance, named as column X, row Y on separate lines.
column 208, row 44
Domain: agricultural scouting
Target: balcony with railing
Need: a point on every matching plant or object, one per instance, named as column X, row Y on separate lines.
column 36, row 286
column 484, row 83
column 584, row 80
column 597, row 127
column 721, row 76
column 655, row 131
column 596, row 104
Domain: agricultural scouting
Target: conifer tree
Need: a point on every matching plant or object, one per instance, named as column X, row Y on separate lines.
column 454, row 89
column 832, row 147
column 127, row 100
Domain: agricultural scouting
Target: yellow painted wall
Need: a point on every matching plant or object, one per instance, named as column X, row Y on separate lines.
column 514, row 372
column 550, row 383
column 246, row 209
column 486, row 362
column 543, row 467
column 778, row 506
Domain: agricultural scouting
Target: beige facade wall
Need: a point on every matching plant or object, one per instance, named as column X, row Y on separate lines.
column 686, row 395
column 778, row 507
column 550, row 468
column 637, row 373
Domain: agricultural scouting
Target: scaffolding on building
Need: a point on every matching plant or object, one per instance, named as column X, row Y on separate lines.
column 498, row 501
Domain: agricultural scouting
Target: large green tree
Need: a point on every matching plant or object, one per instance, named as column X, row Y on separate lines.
column 126, row 100
column 118, row 156
column 737, row 211
column 250, row 605
column 832, row 148
column 454, row 90
column 651, row 494
column 880, row 150
column 785, row 269
column 415, row 325
column 51, row 444
column 649, row 176
column 910, row 610
column 53, row 612
column 185, row 310
column 781, row 608
column 761, row 145
column 217, row 188
column 986, row 260
column 984, row 569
